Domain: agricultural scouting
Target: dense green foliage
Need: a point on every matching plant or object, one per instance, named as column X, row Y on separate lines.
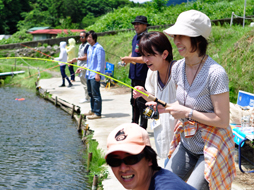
column 24, row 14
column 225, row 46
column 90, row 14
column 167, row 15
column 18, row 37
column 10, row 14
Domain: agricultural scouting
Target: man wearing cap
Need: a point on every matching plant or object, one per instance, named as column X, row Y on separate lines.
column 134, row 162
column 138, row 70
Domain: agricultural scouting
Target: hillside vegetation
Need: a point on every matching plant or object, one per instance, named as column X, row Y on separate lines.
column 104, row 15
column 121, row 18
column 232, row 47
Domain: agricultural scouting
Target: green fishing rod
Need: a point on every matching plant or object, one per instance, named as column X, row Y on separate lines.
column 149, row 96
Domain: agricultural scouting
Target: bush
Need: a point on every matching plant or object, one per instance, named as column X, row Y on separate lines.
column 168, row 15
column 18, row 37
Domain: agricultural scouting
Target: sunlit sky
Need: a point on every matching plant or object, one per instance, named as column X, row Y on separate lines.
column 140, row 1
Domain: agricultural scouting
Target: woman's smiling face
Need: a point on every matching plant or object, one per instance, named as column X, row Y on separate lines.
column 135, row 176
column 155, row 62
column 183, row 44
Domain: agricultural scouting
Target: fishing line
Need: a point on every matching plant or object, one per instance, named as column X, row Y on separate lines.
column 120, row 58
column 42, row 59
column 112, row 54
column 37, row 50
column 151, row 97
column 43, row 54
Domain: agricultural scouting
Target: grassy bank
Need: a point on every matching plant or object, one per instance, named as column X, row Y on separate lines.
column 215, row 9
column 30, row 67
column 97, row 164
column 232, row 47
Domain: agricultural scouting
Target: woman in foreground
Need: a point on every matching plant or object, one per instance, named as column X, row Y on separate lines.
column 201, row 152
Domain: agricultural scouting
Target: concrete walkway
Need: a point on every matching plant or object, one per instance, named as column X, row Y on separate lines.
column 116, row 109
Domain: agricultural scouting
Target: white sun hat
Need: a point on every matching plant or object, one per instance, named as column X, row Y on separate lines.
column 191, row 23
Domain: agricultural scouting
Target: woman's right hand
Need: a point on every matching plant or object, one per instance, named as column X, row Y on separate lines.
column 161, row 109
column 137, row 94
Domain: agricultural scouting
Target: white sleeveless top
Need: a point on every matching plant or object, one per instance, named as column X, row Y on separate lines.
column 164, row 126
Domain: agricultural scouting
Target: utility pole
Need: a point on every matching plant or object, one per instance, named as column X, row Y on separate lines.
column 244, row 12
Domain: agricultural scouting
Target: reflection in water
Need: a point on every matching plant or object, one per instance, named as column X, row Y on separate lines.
column 39, row 144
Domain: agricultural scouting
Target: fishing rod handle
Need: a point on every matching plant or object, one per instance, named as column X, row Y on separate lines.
column 153, row 98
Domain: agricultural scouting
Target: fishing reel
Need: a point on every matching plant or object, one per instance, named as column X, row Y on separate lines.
column 122, row 64
column 150, row 113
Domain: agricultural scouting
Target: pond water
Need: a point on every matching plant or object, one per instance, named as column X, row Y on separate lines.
column 40, row 147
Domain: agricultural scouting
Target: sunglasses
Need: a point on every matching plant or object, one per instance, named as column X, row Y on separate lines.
column 129, row 160
column 82, row 37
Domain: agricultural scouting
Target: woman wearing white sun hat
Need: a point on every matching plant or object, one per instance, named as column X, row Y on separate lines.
column 201, row 152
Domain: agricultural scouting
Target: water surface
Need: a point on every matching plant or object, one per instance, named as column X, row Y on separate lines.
column 39, row 144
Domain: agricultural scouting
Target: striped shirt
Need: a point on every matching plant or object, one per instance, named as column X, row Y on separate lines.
column 211, row 79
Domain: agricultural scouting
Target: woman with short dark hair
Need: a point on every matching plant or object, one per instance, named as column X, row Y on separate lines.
column 156, row 52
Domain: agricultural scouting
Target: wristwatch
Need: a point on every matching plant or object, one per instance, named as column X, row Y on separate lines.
column 190, row 114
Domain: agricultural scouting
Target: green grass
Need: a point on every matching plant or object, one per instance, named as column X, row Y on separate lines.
column 168, row 15
column 97, row 165
column 232, row 47
column 24, row 80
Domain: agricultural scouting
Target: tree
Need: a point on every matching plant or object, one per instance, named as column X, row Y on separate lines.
column 11, row 13
column 158, row 4
column 24, row 14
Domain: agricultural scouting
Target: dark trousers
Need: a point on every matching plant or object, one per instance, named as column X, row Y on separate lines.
column 93, row 88
column 62, row 69
column 71, row 72
column 138, row 106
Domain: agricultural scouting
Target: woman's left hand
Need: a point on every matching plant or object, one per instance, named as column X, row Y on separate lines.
column 178, row 111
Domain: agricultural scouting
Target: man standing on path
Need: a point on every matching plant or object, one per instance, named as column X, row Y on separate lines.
column 95, row 62
column 138, row 71
column 134, row 162
column 81, row 61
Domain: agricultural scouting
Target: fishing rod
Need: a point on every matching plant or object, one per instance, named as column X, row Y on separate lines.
column 112, row 54
column 36, row 50
column 149, row 96
column 43, row 54
column 120, row 62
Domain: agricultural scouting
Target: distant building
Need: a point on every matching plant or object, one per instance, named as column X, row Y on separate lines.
column 51, row 33
column 38, row 28
column 4, row 36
